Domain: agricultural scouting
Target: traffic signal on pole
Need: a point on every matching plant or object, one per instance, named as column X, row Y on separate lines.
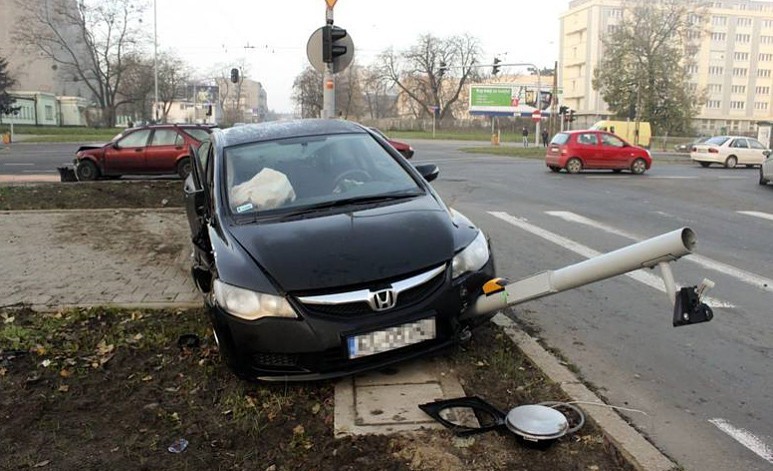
column 563, row 109
column 331, row 46
column 442, row 69
column 235, row 75
column 495, row 69
column 571, row 116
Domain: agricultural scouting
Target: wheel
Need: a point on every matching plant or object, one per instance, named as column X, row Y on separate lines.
column 184, row 167
column 339, row 180
column 638, row 166
column 555, row 169
column 731, row 162
column 762, row 178
column 704, row 164
column 86, row 170
column 574, row 165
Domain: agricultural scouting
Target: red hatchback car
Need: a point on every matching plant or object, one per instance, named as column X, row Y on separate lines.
column 588, row 149
column 156, row 149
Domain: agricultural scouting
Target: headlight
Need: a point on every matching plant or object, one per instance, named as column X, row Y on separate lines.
column 251, row 305
column 472, row 258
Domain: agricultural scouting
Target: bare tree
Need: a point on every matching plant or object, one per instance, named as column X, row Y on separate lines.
column 6, row 82
column 173, row 75
column 137, row 87
column 377, row 93
column 307, row 92
column 433, row 72
column 89, row 39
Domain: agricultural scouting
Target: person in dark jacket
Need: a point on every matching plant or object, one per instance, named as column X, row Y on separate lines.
column 544, row 137
column 525, row 134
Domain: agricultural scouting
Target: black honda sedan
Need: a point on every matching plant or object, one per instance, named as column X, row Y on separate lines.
column 321, row 252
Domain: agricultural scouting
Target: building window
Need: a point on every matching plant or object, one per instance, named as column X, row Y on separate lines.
column 716, row 70
column 612, row 28
column 766, row 39
column 740, row 71
column 718, row 20
column 691, row 69
column 743, row 38
column 765, row 57
column 743, row 21
column 721, row 36
column 49, row 112
column 737, row 105
column 615, row 13
column 741, row 56
column 763, row 72
column 767, row 23
column 760, row 105
column 713, row 104
column 762, row 90
column 738, row 89
column 715, row 88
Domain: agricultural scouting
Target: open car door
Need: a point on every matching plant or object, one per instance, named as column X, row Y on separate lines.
column 197, row 197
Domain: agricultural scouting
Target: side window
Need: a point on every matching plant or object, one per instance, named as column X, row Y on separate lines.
column 164, row 137
column 611, row 141
column 740, row 143
column 755, row 144
column 135, row 139
column 587, row 139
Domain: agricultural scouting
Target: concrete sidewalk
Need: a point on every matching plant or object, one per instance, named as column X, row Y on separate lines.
column 139, row 258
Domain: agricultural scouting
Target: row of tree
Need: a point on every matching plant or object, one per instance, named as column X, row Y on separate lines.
column 641, row 76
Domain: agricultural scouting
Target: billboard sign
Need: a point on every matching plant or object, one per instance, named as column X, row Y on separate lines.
column 516, row 100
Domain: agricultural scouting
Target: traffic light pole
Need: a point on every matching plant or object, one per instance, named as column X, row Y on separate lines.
column 328, row 79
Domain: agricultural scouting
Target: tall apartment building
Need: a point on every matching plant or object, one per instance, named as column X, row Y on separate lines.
column 734, row 64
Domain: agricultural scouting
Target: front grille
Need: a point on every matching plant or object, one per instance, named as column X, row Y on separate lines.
column 274, row 360
column 405, row 299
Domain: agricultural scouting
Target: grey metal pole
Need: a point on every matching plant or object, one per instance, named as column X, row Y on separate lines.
column 537, row 134
column 328, row 80
column 155, row 60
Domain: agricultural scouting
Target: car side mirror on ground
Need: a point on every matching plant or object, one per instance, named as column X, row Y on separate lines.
column 428, row 171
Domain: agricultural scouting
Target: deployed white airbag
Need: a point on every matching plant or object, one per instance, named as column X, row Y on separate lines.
column 268, row 189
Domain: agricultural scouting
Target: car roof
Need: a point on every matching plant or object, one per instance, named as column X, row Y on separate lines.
column 272, row 130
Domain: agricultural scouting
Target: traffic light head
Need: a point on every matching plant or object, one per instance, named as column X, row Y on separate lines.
column 442, row 69
column 563, row 109
column 235, row 75
column 495, row 69
column 571, row 116
column 331, row 43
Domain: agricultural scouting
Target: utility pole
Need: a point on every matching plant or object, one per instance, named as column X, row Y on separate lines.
column 328, row 78
column 155, row 60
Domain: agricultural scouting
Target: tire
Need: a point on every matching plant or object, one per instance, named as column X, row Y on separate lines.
column 86, row 171
column 554, row 169
column 731, row 162
column 704, row 164
column 184, row 167
column 574, row 165
column 762, row 179
column 638, row 166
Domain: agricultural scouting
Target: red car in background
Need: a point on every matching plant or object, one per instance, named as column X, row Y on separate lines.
column 589, row 149
column 401, row 147
column 156, row 149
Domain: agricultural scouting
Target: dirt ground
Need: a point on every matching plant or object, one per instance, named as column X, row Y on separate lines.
column 112, row 389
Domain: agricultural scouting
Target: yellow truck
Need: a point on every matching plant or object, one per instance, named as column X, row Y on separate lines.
column 627, row 130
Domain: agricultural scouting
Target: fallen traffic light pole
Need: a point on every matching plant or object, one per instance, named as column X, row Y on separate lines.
column 658, row 251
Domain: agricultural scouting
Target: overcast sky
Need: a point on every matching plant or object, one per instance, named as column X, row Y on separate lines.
column 206, row 33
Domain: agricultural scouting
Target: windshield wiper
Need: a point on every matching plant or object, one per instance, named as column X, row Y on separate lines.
column 349, row 202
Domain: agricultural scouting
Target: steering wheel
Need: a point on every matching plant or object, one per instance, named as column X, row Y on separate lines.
column 348, row 173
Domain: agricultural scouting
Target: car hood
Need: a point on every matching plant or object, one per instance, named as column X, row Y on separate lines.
column 93, row 146
column 345, row 249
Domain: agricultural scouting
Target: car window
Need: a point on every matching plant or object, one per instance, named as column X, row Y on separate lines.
column 166, row 137
column 198, row 134
column 739, row 143
column 560, row 138
column 717, row 141
column 587, row 139
column 292, row 173
column 135, row 139
column 755, row 144
column 611, row 141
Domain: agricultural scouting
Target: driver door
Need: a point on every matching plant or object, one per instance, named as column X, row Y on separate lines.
column 127, row 155
column 198, row 198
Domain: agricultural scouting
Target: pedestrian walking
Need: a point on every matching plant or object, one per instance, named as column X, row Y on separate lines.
column 544, row 137
column 525, row 134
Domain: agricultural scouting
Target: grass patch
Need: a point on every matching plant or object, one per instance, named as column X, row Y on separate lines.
column 509, row 151
column 453, row 136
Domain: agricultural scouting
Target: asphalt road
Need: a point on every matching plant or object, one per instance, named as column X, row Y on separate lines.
column 704, row 390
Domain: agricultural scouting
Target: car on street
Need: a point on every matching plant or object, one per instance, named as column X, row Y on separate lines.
column 729, row 151
column 687, row 146
column 156, row 149
column 590, row 149
column 321, row 252
column 401, row 147
column 766, row 169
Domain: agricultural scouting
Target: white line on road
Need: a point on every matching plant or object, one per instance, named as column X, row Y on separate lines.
column 38, row 171
column 745, row 438
column 14, row 164
column 752, row 279
column 639, row 275
column 757, row 214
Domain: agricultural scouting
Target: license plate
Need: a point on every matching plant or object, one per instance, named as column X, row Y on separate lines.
column 391, row 338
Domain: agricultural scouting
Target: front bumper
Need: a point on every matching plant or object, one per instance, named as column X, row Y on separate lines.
column 315, row 347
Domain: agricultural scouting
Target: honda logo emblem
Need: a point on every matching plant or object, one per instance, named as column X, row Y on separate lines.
column 383, row 300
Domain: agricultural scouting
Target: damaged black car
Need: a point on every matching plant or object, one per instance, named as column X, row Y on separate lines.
column 321, row 252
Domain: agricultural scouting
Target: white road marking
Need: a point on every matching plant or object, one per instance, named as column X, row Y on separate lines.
column 745, row 438
column 752, row 279
column 641, row 276
column 14, row 164
column 38, row 171
column 672, row 177
column 758, row 214
column 607, row 176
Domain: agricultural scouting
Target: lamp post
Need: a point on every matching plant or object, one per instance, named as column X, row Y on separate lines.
column 155, row 61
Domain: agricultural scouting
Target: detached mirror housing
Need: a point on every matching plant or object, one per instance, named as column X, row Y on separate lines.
column 428, row 171
column 766, row 152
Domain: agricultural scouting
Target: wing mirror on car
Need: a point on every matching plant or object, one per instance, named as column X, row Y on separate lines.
column 428, row 171
column 766, row 153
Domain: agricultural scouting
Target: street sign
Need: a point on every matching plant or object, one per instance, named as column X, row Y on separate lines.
column 314, row 52
column 536, row 115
